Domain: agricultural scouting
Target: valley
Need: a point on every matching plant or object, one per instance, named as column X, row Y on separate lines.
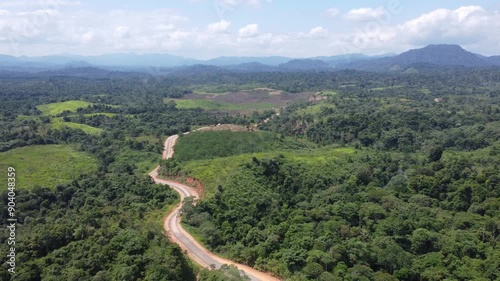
column 286, row 174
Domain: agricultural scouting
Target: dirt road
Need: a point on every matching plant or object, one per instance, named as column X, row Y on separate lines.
column 172, row 225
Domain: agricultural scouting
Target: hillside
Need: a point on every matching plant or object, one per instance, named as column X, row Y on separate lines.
column 439, row 55
column 431, row 55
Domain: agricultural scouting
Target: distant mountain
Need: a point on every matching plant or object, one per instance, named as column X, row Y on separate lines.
column 8, row 59
column 227, row 61
column 439, row 55
column 304, row 65
column 252, row 67
column 494, row 60
column 197, row 69
column 160, row 64
column 132, row 59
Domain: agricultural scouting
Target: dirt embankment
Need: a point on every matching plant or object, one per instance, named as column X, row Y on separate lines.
column 191, row 182
column 228, row 127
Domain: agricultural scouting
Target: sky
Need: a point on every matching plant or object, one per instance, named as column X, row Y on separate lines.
column 206, row 29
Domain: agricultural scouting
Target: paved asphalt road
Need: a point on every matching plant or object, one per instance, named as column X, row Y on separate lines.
column 174, row 229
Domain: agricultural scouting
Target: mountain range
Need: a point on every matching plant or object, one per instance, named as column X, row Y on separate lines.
column 438, row 55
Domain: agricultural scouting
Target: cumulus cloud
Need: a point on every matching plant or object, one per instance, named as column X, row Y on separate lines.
column 464, row 25
column 219, row 27
column 319, row 31
column 315, row 32
column 38, row 4
column 234, row 3
column 332, row 12
column 41, row 30
column 250, row 30
column 364, row 14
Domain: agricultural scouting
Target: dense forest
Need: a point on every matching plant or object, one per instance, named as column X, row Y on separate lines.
column 377, row 176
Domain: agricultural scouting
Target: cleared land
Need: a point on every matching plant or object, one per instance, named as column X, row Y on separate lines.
column 58, row 123
column 45, row 165
column 60, row 107
column 240, row 101
column 52, row 109
column 216, row 105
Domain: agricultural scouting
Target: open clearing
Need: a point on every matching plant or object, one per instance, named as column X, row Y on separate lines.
column 314, row 109
column 216, row 105
column 45, row 165
column 58, row 124
column 241, row 101
column 60, row 107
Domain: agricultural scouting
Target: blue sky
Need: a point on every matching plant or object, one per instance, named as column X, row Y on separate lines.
column 211, row 28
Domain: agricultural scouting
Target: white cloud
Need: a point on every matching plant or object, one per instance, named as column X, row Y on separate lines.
column 219, row 27
column 472, row 27
column 37, row 30
column 38, row 4
column 250, row 30
column 315, row 32
column 364, row 14
column 332, row 12
column 319, row 31
column 235, row 3
column 464, row 25
column 39, row 13
column 122, row 32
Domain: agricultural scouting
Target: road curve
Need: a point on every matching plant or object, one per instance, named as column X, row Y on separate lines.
column 172, row 225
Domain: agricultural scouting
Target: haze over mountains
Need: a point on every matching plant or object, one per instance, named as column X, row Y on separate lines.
column 440, row 55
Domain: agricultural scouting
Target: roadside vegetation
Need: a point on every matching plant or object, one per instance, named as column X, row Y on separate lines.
column 401, row 187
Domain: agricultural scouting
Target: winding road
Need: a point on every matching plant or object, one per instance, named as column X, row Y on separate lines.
column 177, row 234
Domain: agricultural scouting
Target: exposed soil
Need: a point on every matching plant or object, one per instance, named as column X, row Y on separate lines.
column 259, row 95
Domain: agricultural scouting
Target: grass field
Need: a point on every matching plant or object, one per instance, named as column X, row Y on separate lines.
column 425, row 91
column 329, row 93
column 58, row 123
column 216, row 105
column 314, row 109
column 385, row 88
column 45, row 165
column 60, row 107
column 100, row 113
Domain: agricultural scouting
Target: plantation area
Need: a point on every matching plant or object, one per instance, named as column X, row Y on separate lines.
column 46, row 165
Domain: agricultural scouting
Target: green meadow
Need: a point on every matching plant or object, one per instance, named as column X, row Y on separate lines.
column 58, row 123
column 216, row 105
column 60, row 107
column 45, row 165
